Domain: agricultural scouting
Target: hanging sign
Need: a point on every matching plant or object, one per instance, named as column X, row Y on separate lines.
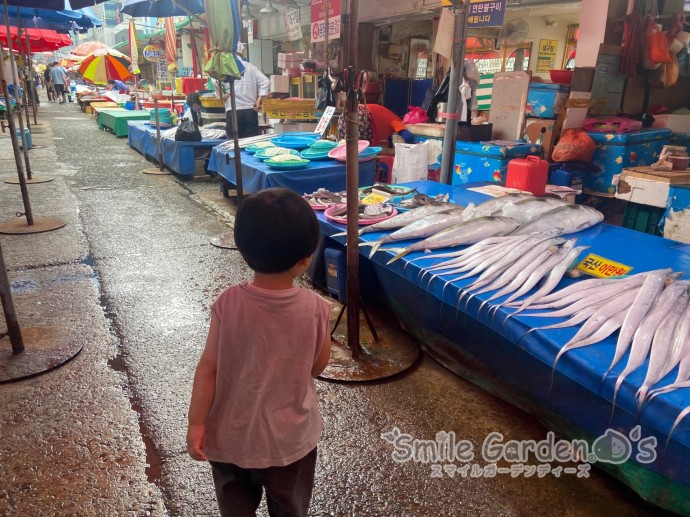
column 325, row 120
column 546, row 59
column 484, row 13
column 162, row 66
column 318, row 20
column 152, row 53
column 292, row 25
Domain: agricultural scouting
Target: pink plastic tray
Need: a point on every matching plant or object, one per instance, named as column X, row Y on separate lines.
column 338, row 153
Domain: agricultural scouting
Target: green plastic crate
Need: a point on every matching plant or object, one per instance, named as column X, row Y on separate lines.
column 643, row 218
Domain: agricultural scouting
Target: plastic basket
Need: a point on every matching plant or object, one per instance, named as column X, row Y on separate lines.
column 212, row 102
column 289, row 109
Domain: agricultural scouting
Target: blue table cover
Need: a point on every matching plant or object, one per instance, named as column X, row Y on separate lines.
column 578, row 396
column 257, row 176
column 177, row 156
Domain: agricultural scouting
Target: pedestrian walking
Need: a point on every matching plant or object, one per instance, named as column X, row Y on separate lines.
column 250, row 89
column 254, row 410
column 58, row 76
column 50, row 90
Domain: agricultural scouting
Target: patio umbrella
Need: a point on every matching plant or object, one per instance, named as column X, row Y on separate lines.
column 162, row 8
column 104, row 64
column 42, row 40
column 84, row 49
column 224, row 29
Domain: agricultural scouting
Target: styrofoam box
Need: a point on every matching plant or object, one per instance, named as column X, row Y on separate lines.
column 280, row 84
column 676, row 123
column 643, row 191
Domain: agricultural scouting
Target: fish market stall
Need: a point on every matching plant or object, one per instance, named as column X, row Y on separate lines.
column 116, row 120
column 574, row 390
column 178, row 156
column 257, row 175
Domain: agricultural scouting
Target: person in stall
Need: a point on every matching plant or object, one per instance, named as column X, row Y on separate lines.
column 118, row 86
column 377, row 124
column 250, row 89
column 193, row 109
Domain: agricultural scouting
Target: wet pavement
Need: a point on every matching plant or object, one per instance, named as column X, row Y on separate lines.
column 130, row 278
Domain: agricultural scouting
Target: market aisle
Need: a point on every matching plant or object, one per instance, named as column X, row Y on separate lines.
column 146, row 314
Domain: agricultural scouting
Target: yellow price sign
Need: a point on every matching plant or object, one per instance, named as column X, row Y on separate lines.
column 374, row 199
column 601, row 267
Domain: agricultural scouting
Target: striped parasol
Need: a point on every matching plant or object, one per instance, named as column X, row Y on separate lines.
column 104, row 64
column 170, row 43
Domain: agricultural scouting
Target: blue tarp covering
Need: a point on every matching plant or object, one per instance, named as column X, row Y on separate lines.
column 177, row 156
column 257, row 176
column 578, row 396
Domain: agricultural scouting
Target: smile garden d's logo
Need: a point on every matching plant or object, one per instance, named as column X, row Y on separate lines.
column 447, row 450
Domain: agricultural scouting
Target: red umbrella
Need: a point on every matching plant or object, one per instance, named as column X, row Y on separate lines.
column 42, row 40
column 84, row 49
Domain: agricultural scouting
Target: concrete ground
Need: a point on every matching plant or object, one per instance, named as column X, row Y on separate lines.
column 130, row 278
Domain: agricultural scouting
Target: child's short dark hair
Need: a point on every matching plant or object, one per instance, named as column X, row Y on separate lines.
column 275, row 229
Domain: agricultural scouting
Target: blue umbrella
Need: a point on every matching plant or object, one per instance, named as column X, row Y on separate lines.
column 62, row 21
column 53, row 5
column 162, row 8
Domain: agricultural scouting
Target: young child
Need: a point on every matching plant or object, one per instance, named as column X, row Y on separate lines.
column 254, row 410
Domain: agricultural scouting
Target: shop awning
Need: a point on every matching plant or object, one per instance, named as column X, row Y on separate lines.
column 42, row 40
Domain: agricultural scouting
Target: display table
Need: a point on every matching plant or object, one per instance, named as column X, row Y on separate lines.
column 257, row 176
column 116, row 120
column 498, row 354
column 96, row 107
column 87, row 100
column 179, row 157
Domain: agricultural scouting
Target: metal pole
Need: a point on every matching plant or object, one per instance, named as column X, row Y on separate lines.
column 13, row 66
column 19, row 51
column 13, row 329
column 352, row 184
column 326, row 21
column 456, row 71
column 15, row 143
column 159, row 146
column 235, row 138
column 32, row 78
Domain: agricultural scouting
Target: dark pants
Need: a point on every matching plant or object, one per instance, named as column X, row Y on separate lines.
column 247, row 123
column 60, row 90
column 288, row 488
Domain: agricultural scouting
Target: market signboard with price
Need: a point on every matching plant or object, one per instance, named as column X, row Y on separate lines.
column 318, row 23
column 601, row 267
column 484, row 13
column 547, row 55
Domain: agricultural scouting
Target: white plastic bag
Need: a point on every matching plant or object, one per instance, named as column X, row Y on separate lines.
column 411, row 162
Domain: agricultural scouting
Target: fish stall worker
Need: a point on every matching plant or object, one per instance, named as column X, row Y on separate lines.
column 193, row 108
column 118, row 86
column 250, row 89
column 377, row 124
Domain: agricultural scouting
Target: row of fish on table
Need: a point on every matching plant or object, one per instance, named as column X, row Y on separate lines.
column 516, row 249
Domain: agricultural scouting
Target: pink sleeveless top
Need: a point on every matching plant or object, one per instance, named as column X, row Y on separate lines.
column 265, row 410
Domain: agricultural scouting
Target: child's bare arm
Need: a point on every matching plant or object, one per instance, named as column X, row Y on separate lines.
column 322, row 361
column 203, row 393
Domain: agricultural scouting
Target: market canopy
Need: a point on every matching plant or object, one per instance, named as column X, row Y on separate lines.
column 54, row 5
column 224, row 29
column 79, row 20
column 86, row 48
column 162, row 8
column 104, row 64
column 42, row 40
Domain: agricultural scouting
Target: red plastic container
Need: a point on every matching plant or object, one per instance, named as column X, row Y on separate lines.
column 528, row 174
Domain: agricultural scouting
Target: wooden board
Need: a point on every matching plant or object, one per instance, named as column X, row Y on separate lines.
column 508, row 100
column 673, row 177
column 427, row 129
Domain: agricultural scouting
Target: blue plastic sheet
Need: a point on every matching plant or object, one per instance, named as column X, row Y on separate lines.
column 525, row 361
column 177, row 156
column 257, row 176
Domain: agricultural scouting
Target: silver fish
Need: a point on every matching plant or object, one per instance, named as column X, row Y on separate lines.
column 644, row 334
column 661, row 348
column 651, row 288
column 420, row 229
column 568, row 218
column 492, row 205
column 404, row 218
column 469, row 232
column 527, row 209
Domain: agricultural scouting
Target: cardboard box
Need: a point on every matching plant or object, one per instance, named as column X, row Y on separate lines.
column 280, row 84
column 541, row 131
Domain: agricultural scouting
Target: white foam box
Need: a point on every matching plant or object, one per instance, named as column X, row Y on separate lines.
column 676, row 123
column 280, row 84
column 642, row 190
